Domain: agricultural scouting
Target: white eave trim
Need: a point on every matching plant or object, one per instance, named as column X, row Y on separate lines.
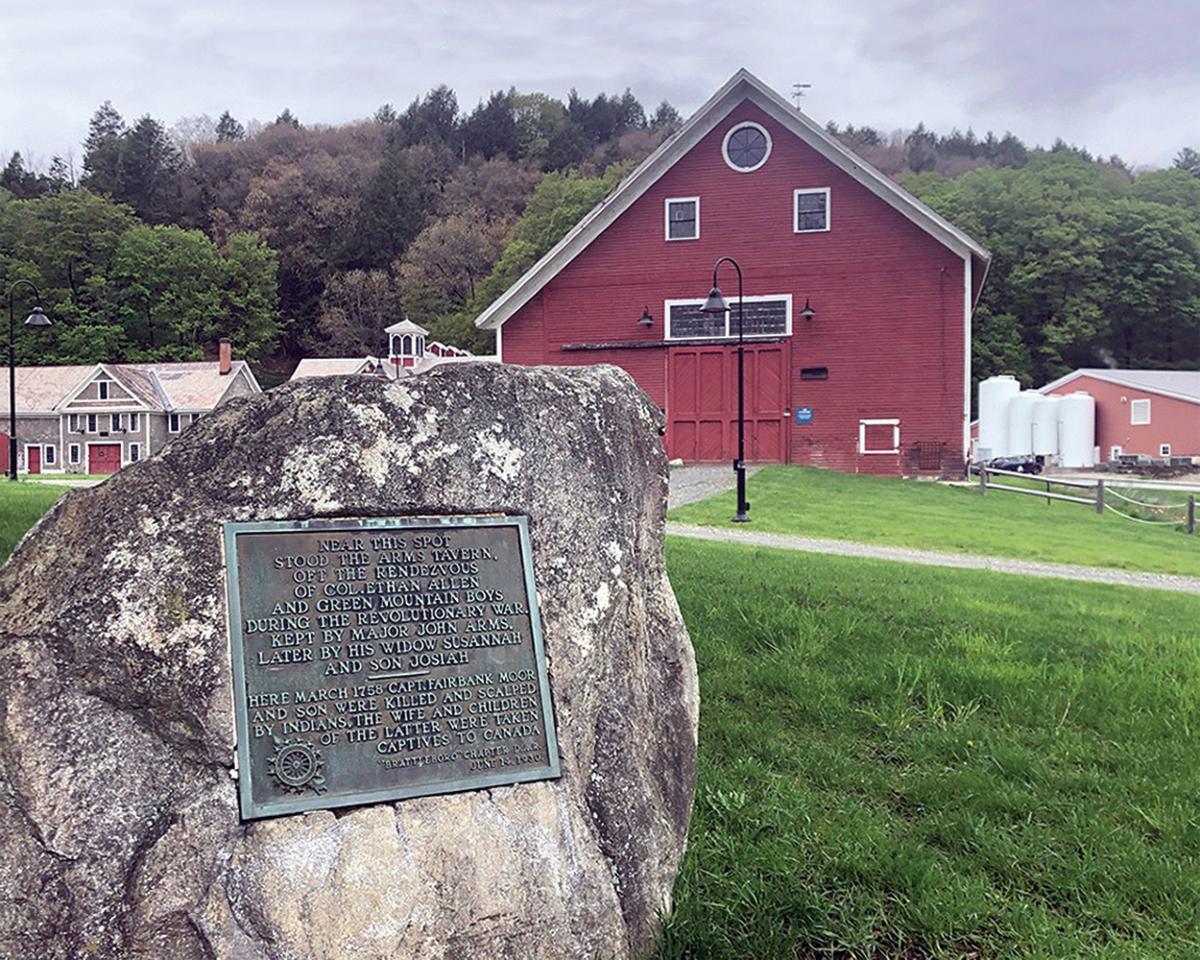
column 1116, row 379
column 741, row 86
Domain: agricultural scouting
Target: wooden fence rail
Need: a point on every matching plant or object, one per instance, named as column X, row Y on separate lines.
column 1097, row 498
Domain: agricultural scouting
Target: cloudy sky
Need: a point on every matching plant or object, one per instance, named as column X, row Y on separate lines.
column 1113, row 76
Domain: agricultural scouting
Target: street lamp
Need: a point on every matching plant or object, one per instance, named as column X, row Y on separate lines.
column 36, row 318
column 716, row 304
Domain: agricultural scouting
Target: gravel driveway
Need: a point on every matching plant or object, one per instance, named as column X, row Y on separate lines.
column 689, row 484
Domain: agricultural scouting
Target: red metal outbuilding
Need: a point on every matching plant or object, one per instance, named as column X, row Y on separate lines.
column 1148, row 413
column 876, row 381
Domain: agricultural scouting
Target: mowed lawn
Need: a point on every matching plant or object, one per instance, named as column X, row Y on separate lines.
column 912, row 762
column 21, row 504
column 933, row 516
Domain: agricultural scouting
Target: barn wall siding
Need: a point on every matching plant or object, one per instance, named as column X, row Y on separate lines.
column 888, row 299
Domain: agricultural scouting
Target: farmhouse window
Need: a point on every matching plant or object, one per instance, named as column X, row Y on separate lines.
column 683, row 218
column 135, row 421
column 811, row 209
column 135, row 452
column 49, row 454
column 814, row 373
column 91, row 423
column 102, row 386
column 1139, row 413
column 116, row 422
column 173, row 423
column 878, row 436
column 73, row 423
column 768, row 316
column 73, row 453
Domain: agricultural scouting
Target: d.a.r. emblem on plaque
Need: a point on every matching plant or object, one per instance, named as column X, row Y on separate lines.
column 297, row 766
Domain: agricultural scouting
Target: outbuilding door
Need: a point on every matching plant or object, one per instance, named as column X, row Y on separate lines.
column 33, row 459
column 702, row 402
column 104, row 458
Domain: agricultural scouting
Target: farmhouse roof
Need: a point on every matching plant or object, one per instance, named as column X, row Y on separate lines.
column 160, row 386
column 1180, row 384
column 742, row 86
column 329, row 366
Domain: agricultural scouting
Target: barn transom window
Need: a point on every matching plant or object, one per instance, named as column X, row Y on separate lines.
column 765, row 316
column 683, row 218
column 811, row 209
column 747, row 147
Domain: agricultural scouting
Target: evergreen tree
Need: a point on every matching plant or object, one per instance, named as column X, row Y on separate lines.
column 287, row 119
column 102, row 150
column 1189, row 160
column 59, row 176
column 22, row 183
column 148, row 177
column 666, row 119
column 228, row 129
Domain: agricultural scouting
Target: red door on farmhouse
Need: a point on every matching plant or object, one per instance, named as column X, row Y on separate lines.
column 702, row 402
column 33, row 459
column 104, row 458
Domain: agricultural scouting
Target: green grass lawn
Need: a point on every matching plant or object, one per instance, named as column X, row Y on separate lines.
column 21, row 504
column 902, row 761
column 933, row 516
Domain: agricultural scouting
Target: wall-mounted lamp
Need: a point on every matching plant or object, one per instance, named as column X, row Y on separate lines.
column 808, row 312
column 646, row 320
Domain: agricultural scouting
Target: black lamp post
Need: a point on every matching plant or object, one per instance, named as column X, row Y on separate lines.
column 36, row 318
column 716, row 304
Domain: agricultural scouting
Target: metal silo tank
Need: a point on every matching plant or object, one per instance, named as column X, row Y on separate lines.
column 1077, row 430
column 994, row 396
column 1045, row 427
column 1020, row 423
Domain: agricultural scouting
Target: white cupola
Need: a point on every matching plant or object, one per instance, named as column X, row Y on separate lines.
column 406, row 343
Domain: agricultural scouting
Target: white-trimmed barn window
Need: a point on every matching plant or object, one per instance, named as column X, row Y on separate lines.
column 764, row 316
column 1139, row 413
column 682, row 216
column 1164, row 449
column 878, row 436
column 810, row 210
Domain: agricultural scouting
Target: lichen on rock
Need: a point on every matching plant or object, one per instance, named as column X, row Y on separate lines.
column 119, row 829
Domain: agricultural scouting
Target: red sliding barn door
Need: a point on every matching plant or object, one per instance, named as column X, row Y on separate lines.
column 702, row 402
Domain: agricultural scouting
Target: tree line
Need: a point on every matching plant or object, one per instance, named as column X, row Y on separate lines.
column 298, row 239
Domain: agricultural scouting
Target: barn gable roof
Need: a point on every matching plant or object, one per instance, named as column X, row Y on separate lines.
column 742, row 86
column 1179, row 384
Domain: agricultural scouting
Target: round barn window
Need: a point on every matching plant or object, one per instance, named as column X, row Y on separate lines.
column 746, row 147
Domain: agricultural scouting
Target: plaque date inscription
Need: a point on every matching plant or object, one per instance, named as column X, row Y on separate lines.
column 385, row 658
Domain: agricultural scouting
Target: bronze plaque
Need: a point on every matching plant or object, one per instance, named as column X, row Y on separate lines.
column 384, row 658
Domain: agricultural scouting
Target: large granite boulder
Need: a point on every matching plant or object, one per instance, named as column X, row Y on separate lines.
column 120, row 834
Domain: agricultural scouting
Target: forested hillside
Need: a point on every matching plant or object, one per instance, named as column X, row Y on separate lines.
column 298, row 240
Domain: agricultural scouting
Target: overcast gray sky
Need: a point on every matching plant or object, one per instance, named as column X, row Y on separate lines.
column 1118, row 77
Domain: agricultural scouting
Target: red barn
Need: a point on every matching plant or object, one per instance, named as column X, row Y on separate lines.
column 1147, row 413
column 858, row 297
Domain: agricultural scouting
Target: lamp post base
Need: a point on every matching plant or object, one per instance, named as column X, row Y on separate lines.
column 740, row 518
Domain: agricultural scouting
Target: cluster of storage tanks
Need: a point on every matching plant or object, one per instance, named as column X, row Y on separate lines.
column 1024, row 423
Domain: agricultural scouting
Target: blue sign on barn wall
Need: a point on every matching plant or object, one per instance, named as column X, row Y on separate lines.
column 804, row 414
